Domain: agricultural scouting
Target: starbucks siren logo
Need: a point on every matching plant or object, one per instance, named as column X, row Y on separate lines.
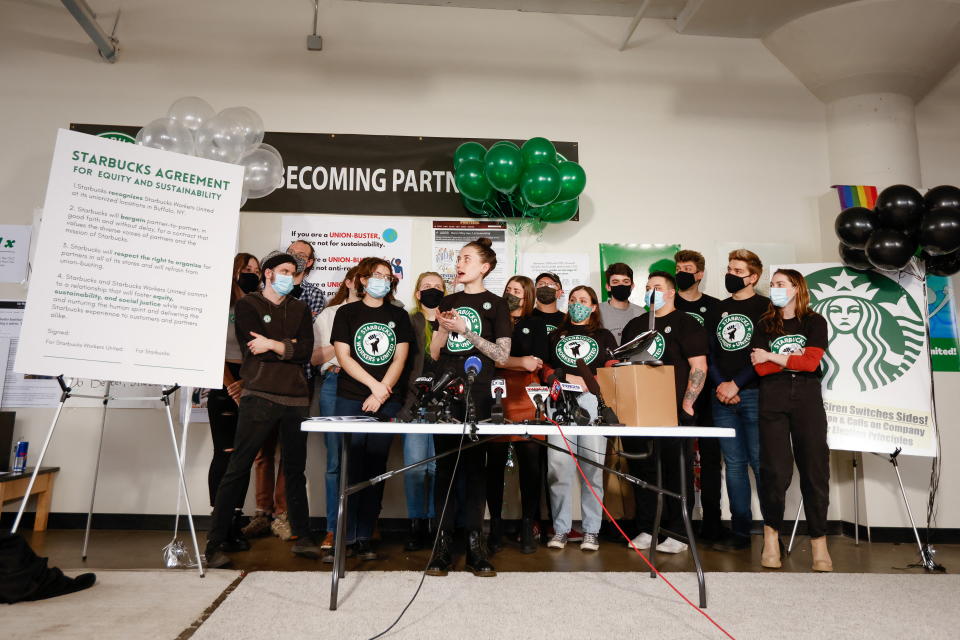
column 874, row 328
column 457, row 342
column 734, row 332
column 697, row 317
column 788, row 345
column 375, row 343
column 571, row 348
column 116, row 135
column 657, row 347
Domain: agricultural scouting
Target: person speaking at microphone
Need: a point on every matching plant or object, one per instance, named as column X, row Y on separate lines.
column 472, row 322
column 580, row 336
column 528, row 350
column 371, row 338
column 682, row 343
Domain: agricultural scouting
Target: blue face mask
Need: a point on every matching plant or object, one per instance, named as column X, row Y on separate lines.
column 377, row 288
column 779, row 297
column 658, row 300
column 282, row 283
column 579, row 312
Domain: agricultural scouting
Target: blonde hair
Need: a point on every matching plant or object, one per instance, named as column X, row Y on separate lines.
column 753, row 260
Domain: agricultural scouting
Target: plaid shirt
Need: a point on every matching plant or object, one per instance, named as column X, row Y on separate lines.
column 312, row 296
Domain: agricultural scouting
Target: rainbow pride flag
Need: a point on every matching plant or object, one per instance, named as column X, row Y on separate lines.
column 856, row 196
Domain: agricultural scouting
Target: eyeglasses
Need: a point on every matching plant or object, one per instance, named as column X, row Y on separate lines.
column 380, row 276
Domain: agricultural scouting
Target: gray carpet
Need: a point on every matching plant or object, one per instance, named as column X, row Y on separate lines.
column 590, row 605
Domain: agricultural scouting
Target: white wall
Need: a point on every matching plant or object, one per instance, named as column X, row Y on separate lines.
column 689, row 139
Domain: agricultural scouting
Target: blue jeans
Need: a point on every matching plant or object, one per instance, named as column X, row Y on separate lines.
column 739, row 452
column 328, row 407
column 418, row 483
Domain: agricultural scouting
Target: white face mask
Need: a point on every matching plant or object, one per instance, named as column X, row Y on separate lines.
column 779, row 296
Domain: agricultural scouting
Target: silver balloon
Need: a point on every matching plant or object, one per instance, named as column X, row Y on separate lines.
column 167, row 134
column 191, row 111
column 220, row 139
column 247, row 123
column 263, row 171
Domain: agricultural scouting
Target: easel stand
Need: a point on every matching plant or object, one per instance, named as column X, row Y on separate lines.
column 66, row 394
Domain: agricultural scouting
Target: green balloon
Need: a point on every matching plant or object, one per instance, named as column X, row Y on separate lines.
column 540, row 184
column 539, row 150
column 572, row 181
column 559, row 211
column 503, row 166
column 468, row 151
column 505, row 143
column 475, row 207
column 471, row 181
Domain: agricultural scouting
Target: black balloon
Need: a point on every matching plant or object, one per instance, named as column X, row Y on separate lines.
column 942, row 196
column 899, row 207
column 940, row 231
column 854, row 226
column 854, row 258
column 889, row 249
column 945, row 265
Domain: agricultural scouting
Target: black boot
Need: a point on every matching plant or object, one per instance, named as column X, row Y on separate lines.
column 235, row 539
column 495, row 539
column 419, row 537
column 440, row 561
column 477, row 556
column 528, row 543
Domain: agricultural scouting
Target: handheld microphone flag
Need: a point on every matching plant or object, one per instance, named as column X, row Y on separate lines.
column 472, row 367
column 498, row 388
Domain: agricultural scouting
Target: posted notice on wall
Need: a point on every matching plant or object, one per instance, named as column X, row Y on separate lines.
column 134, row 283
column 14, row 251
column 573, row 269
column 449, row 236
column 876, row 371
column 340, row 242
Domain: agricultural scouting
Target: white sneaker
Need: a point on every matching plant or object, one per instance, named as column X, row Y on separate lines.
column 558, row 541
column 591, row 542
column 642, row 541
column 671, row 546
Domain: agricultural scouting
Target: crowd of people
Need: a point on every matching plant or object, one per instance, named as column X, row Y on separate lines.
column 748, row 362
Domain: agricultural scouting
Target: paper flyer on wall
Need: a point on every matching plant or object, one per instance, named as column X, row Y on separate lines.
column 449, row 236
column 573, row 269
column 14, row 251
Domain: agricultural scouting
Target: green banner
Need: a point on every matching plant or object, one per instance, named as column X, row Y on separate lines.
column 642, row 258
column 942, row 312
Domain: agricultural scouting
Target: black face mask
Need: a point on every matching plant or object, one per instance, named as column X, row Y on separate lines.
column 685, row 280
column 620, row 292
column 248, row 282
column 513, row 302
column 734, row 283
column 546, row 295
column 430, row 298
column 296, row 291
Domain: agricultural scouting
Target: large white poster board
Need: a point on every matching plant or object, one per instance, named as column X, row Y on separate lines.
column 876, row 383
column 449, row 236
column 134, row 281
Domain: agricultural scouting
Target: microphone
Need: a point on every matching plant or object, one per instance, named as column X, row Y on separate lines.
column 472, row 367
column 441, row 383
column 607, row 415
column 498, row 389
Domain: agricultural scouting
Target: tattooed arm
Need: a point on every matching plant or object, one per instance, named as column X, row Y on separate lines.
column 698, row 374
column 497, row 351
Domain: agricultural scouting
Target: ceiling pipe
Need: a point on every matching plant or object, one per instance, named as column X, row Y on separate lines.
column 634, row 22
column 81, row 12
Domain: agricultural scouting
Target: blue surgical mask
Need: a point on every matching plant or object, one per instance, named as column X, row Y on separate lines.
column 579, row 312
column 377, row 287
column 658, row 300
column 282, row 283
column 779, row 297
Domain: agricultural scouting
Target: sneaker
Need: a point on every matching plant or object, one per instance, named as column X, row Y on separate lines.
column 671, row 546
column 215, row 557
column 258, row 526
column 305, row 547
column 591, row 542
column 558, row 541
column 327, row 541
column 281, row 527
column 328, row 557
column 574, row 536
column 365, row 551
column 642, row 541
column 733, row 542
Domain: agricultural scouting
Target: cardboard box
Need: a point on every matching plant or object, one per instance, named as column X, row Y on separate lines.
column 640, row 395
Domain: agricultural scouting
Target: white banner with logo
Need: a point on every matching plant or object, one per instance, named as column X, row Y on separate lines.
column 876, row 371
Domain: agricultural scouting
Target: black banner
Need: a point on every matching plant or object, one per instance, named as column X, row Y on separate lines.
column 358, row 174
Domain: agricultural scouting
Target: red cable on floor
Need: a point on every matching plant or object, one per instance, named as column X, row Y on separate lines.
column 630, row 542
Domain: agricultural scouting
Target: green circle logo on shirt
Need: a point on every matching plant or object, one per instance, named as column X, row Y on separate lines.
column 458, row 342
column 657, row 347
column 734, row 332
column 571, row 348
column 696, row 316
column 788, row 345
column 551, row 328
column 375, row 343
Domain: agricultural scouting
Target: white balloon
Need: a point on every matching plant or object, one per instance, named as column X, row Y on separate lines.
column 247, row 123
column 191, row 111
column 167, row 134
column 220, row 139
column 263, row 171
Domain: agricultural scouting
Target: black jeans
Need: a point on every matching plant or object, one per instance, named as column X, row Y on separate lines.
column 257, row 417
column 791, row 409
column 646, row 500
column 472, row 469
column 222, row 414
column 527, row 459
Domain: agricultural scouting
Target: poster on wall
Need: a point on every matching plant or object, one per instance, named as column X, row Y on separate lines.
column 14, row 251
column 573, row 269
column 642, row 258
column 876, row 374
column 340, row 242
column 942, row 310
column 449, row 236
column 137, row 247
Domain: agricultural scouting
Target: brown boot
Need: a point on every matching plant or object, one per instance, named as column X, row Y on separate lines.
column 821, row 557
column 770, row 556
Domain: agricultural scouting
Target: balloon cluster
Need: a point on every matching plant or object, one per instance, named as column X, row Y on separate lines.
column 903, row 224
column 530, row 182
column 234, row 135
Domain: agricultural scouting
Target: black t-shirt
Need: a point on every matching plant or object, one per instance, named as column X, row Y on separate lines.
column 797, row 334
column 732, row 325
column 552, row 319
column 487, row 315
column 679, row 338
column 594, row 347
column 699, row 309
column 530, row 338
column 373, row 334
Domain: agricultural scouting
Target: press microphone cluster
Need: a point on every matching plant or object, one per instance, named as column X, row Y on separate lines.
column 606, row 414
column 566, row 407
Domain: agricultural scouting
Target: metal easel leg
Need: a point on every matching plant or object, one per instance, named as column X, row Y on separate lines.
column 183, row 483
column 688, row 525
column 856, row 503
column 339, row 548
column 926, row 558
column 96, row 473
column 796, row 523
column 655, row 534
